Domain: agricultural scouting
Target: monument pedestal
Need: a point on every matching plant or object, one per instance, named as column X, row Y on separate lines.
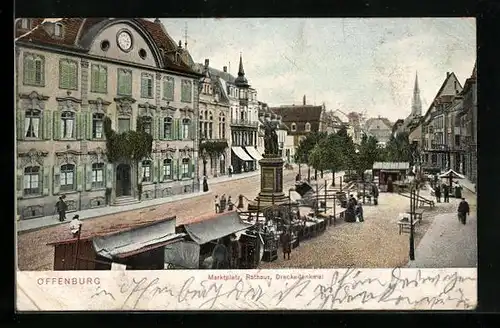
column 271, row 183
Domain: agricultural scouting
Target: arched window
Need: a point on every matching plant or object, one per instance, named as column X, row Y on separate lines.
column 146, row 171
column 308, row 127
column 67, row 125
column 167, row 128
column 185, row 128
column 167, row 169
column 185, row 168
column 294, row 127
column 98, row 175
column 97, row 125
column 147, row 123
column 32, row 123
column 32, row 180
column 67, row 177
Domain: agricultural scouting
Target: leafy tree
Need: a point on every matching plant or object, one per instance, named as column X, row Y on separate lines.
column 305, row 147
column 399, row 149
column 367, row 153
column 347, row 149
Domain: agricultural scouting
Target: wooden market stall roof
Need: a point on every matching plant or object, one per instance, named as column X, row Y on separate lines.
column 393, row 166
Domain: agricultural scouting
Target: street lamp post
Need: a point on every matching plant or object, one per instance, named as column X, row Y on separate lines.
column 204, row 157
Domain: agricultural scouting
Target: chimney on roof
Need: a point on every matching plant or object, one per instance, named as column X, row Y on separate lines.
column 304, row 100
column 447, row 74
column 206, row 63
column 180, row 44
column 224, row 69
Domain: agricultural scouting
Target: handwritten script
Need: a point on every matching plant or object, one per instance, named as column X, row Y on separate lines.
column 339, row 289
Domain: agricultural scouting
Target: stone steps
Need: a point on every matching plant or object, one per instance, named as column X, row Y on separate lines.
column 124, row 200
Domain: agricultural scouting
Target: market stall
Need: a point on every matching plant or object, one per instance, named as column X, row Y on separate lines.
column 388, row 173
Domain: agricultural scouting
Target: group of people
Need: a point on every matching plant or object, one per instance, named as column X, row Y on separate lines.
column 355, row 208
column 221, row 203
column 444, row 189
column 61, row 208
column 227, row 253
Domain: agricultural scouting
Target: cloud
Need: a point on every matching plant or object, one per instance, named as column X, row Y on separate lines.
column 353, row 64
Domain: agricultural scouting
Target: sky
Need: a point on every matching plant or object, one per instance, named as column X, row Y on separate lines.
column 366, row 65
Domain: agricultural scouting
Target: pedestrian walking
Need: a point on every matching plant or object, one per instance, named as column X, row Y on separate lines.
column 230, row 204
column 359, row 211
column 217, row 204
column 463, row 210
column 230, row 170
column 205, row 184
column 437, row 193
column 61, row 208
column 446, row 193
column 286, row 244
column 375, row 194
column 223, row 203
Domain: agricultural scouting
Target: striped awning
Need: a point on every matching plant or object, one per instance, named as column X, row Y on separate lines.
column 253, row 152
column 242, row 154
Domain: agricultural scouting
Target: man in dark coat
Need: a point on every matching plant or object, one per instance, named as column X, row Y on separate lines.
column 220, row 256
column 446, row 193
column 463, row 210
column 437, row 193
column 61, row 208
column 375, row 194
column 359, row 211
column 235, row 252
column 205, row 184
column 286, row 243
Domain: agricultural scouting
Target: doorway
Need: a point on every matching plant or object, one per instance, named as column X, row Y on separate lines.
column 222, row 164
column 123, row 181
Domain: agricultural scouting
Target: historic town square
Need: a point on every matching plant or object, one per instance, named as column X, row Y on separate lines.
column 150, row 144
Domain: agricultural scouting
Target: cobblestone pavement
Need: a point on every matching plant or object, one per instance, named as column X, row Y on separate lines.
column 375, row 243
column 34, row 254
column 448, row 244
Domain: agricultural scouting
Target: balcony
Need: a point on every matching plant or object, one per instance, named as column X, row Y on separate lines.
column 244, row 123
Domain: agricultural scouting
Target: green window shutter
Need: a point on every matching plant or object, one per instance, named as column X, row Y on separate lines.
column 192, row 130
column 173, row 130
column 19, row 183
column 94, row 78
column 109, row 175
column 73, row 75
column 160, row 170
column 88, row 177
column 183, row 91
column 88, row 125
column 175, row 169
column 29, row 70
column 144, row 86
column 189, row 92
column 46, row 180
column 192, row 168
column 179, row 130
column 103, row 79
column 56, row 132
column 56, row 179
column 154, row 171
column 128, row 84
column 63, row 74
column 155, row 127
column 80, row 125
column 119, row 79
column 79, row 177
column 47, row 124
column 20, row 117
column 161, row 127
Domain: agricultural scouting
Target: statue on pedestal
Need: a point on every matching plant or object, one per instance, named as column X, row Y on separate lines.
column 270, row 136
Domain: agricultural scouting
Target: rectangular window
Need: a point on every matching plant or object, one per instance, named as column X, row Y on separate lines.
column 185, row 168
column 147, row 124
column 186, row 91
column 185, row 129
column 124, row 82
column 146, row 171
column 32, row 180
column 32, row 123
column 67, row 125
column 167, row 169
column 99, row 79
column 98, row 175
column 58, row 29
column 34, row 69
column 68, row 74
column 123, row 125
column 168, row 88
column 167, row 128
column 97, row 126
column 67, row 177
column 147, row 85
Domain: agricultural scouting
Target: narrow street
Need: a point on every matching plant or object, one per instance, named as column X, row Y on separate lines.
column 34, row 254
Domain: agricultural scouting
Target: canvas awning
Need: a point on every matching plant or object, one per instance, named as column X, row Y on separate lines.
column 183, row 254
column 212, row 229
column 138, row 240
column 394, row 166
column 254, row 153
column 451, row 174
column 241, row 153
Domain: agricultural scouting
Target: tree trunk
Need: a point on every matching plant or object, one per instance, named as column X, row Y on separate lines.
column 308, row 173
column 333, row 178
column 363, row 180
column 321, row 174
column 315, row 174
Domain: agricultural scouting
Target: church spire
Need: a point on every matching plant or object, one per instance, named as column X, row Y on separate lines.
column 241, row 71
column 416, row 104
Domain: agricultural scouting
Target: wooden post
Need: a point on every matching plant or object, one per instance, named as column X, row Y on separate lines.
column 77, row 247
column 326, row 187
column 340, row 183
column 334, row 208
column 258, row 210
column 412, row 210
column 317, row 198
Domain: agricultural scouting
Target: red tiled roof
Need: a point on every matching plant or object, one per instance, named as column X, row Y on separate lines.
column 300, row 115
column 76, row 28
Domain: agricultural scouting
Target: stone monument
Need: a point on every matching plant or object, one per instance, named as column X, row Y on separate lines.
column 271, row 169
